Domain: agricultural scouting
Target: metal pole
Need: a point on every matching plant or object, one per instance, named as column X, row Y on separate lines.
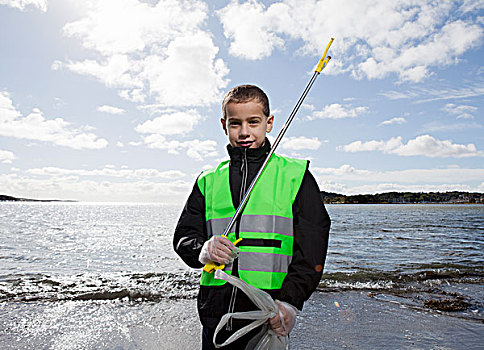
column 321, row 64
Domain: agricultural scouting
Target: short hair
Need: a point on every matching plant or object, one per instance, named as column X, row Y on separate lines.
column 246, row 93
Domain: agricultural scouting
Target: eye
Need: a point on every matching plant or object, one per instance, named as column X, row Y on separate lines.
column 254, row 122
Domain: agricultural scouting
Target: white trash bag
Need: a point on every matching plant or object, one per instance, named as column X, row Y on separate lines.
column 266, row 338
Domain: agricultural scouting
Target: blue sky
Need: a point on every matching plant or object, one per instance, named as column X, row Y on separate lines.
column 119, row 100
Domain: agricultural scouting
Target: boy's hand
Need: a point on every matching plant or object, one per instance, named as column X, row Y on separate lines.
column 218, row 249
column 288, row 313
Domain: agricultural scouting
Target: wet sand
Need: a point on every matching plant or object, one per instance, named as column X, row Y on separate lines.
column 360, row 322
column 363, row 322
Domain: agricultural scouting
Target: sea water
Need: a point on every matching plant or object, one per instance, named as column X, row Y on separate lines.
column 422, row 257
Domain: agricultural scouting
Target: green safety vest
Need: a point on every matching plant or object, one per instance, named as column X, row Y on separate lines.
column 267, row 216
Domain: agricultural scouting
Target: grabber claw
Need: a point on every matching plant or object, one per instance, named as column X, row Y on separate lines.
column 211, row 267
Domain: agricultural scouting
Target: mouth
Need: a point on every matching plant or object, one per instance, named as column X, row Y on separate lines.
column 245, row 143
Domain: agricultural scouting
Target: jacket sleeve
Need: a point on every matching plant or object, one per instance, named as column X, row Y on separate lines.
column 191, row 232
column 311, row 233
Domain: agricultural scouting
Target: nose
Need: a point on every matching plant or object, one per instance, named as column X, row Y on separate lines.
column 244, row 130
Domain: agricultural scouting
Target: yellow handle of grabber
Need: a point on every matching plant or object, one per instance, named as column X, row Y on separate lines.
column 211, row 267
column 324, row 60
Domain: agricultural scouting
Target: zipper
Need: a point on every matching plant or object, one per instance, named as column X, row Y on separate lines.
column 244, row 169
column 231, row 307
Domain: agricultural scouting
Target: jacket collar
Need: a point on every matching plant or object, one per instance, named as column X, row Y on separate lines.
column 254, row 155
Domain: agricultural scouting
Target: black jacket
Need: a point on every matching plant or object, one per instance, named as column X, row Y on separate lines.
column 311, row 231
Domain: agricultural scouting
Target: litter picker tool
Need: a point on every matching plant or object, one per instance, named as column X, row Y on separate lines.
column 321, row 64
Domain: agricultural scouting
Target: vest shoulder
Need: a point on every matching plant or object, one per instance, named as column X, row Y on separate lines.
column 213, row 170
column 288, row 161
column 202, row 178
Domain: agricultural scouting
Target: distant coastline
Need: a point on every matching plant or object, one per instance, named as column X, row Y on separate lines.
column 5, row 198
column 454, row 197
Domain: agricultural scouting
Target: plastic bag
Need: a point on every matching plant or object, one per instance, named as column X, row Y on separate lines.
column 266, row 338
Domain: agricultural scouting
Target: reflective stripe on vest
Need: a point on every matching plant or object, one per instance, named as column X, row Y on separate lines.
column 267, row 218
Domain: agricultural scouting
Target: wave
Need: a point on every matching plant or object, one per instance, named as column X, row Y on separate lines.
column 138, row 287
column 425, row 286
column 184, row 285
column 405, row 277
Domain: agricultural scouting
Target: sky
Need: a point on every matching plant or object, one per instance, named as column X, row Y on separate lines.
column 119, row 100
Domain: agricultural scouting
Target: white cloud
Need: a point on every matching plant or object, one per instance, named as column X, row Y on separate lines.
column 23, row 4
column 250, row 26
column 71, row 187
column 109, row 171
column 110, row 109
column 471, row 5
column 153, row 173
column 330, row 186
column 189, row 75
column 6, row 157
column 396, row 120
column 126, row 26
column 113, row 71
column 300, row 143
column 56, row 65
column 392, row 37
column 349, row 180
column 398, row 95
column 429, row 95
column 8, row 112
column 297, row 143
column 437, row 126
column 437, row 48
column 171, row 123
column 461, row 111
column 35, row 127
column 337, row 111
column 196, row 149
column 424, row 145
column 155, row 51
column 480, row 188
column 133, row 95
column 347, row 172
column 343, row 170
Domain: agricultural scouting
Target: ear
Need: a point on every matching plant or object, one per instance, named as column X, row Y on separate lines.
column 270, row 123
column 224, row 125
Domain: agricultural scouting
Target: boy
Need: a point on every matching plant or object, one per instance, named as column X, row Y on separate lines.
column 284, row 226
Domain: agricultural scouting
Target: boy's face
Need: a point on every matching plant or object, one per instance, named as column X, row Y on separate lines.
column 246, row 124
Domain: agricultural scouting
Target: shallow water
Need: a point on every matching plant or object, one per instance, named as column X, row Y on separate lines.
column 423, row 258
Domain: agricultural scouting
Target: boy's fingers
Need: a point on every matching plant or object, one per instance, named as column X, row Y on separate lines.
column 226, row 242
column 223, row 251
column 220, row 256
column 223, row 255
column 275, row 321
